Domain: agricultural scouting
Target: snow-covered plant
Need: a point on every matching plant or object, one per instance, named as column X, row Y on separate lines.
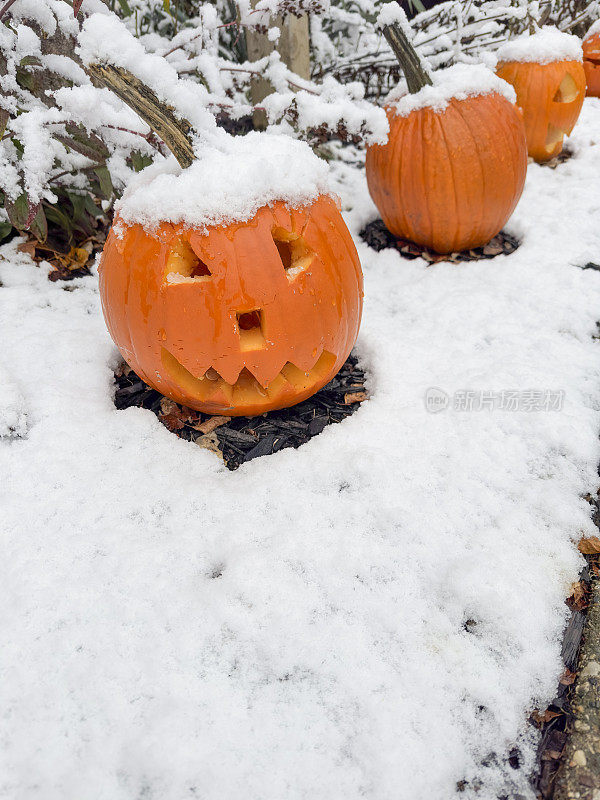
column 67, row 140
column 69, row 144
column 348, row 48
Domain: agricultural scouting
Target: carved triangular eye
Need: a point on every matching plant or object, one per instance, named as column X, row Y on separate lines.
column 567, row 91
column 295, row 254
column 184, row 265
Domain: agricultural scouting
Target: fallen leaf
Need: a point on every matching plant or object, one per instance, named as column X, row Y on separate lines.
column 76, row 258
column 174, row 416
column 354, row 397
column 27, row 247
column 210, row 442
column 210, row 424
column 544, row 719
column 493, row 248
column 578, row 600
column 568, row 677
column 589, row 545
column 551, row 755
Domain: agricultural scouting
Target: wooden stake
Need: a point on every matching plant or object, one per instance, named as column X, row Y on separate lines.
column 293, row 47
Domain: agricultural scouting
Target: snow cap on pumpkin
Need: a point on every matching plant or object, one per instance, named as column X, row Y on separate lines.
column 593, row 31
column 457, row 82
column 543, row 47
column 226, row 184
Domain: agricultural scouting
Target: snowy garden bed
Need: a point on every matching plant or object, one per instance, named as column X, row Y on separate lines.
column 374, row 614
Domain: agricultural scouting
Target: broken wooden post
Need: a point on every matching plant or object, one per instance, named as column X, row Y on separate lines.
column 175, row 132
column 293, row 47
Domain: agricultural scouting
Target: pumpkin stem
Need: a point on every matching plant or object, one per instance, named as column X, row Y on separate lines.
column 415, row 72
column 175, row 132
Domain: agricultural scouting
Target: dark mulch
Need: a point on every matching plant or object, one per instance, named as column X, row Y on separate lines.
column 377, row 236
column 563, row 156
column 240, row 439
column 556, row 721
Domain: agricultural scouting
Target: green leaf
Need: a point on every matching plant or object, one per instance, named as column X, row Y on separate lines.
column 30, row 61
column 81, row 219
column 39, row 226
column 26, row 80
column 87, row 144
column 18, row 147
column 18, row 212
column 106, row 187
column 140, row 160
column 5, row 229
column 59, row 218
column 125, row 8
column 92, row 208
column 4, row 117
column 167, row 5
column 78, row 203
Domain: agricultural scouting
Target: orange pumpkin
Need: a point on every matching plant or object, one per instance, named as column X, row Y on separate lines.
column 450, row 179
column 591, row 64
column 239, row 319
column 551, row 96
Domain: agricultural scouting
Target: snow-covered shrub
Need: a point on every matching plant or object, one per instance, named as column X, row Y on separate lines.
column 347, row 47
column 68, row 145
column 67, row 141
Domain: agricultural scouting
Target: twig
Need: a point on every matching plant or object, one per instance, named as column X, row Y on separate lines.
column 5, row 7
column 91, row 168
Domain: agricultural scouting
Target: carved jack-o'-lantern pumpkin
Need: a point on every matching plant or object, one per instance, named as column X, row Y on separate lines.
column 241, row 318
column 547, row 74
column 591, row 62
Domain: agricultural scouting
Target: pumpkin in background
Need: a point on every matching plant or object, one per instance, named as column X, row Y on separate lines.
column 591, row 62
column 240, row 319
column 448, row 178
column 550, row 90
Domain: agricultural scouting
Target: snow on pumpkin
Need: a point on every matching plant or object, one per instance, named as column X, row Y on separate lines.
column 445, row 179
column 547, row 73
column 233, row 286
column 591, row 60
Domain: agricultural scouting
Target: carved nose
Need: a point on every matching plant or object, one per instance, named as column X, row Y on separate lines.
column 250, row 327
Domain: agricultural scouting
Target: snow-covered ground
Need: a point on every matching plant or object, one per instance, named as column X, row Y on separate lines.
column 370, row 616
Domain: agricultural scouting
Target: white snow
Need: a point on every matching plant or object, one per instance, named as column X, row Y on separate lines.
column 332, row 657
column 392, row 13
column 593, row 30
column 104, row 39
column 228, row 184
column 459, row 82
column 543, row 47
column 13, row 415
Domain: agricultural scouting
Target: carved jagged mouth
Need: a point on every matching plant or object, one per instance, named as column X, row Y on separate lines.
column 554, row 137
column 212, row 389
